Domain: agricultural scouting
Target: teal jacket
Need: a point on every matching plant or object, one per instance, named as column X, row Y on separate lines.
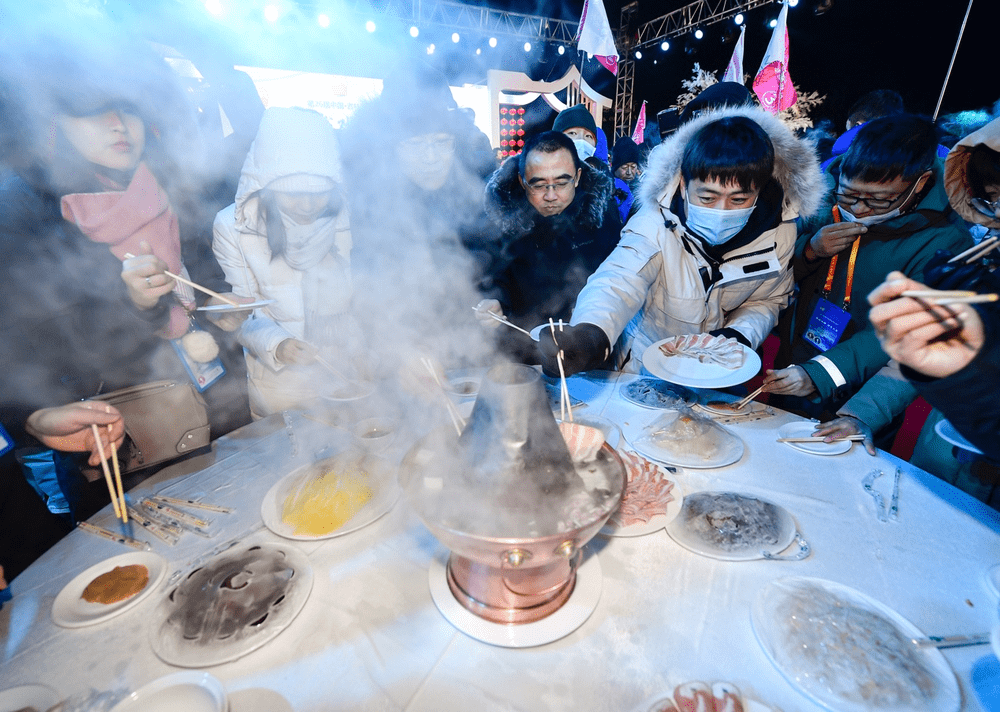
column 904, row 243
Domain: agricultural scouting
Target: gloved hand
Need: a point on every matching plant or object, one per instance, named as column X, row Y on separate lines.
column 584, row 346
column 975, row 277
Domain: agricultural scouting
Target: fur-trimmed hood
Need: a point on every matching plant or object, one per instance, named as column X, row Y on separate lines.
column 956, row 172
column 508, row 206
column 796, row 167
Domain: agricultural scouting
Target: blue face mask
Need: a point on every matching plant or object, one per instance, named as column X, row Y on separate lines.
column 716, row 226
column 869, row 219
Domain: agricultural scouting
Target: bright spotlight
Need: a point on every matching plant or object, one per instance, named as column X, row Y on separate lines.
column 430, row 48
column 793, row 3
column 414, row 31
column 638, row 54
column 479, row 50
column 493, row 41
column 214, row 7
column 370, row 26
column 773, row 23
column 698, row 34
column 527, row 46
column 323, row 20
column 561, row 50
column 664, row 46
column 738, row 19
column 271, row 13
column 454, row 37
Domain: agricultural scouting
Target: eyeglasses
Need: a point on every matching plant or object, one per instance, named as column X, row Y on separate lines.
column 988, row 208
column 559, row 186
column 870, row 203
column 422, row 145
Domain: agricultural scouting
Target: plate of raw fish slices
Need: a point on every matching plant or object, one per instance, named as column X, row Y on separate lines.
column 701, row 361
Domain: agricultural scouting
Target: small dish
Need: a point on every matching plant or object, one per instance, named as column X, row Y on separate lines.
column 242, row 307
column 805, row 429
column 376, row 434
column 70, row 610
column 190, row 690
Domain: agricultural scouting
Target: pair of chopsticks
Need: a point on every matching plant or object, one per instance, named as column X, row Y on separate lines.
column 977, row 251
column 855, row 438
column 501, row 319
column 565, row 405
column 193, row 285
column 115, row 487
column 456, row 418
column 957, row 296
column 744, row 402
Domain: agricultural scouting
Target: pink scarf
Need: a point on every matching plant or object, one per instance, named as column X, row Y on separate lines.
column 124, row 219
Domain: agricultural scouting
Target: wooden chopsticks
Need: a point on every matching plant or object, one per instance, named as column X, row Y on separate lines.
column 957, row 296
column 741, row 404
column 501, row 319
column 193, row 285
column 115, row 487
column 855, row 438
column 976, row 251
column 565, row 405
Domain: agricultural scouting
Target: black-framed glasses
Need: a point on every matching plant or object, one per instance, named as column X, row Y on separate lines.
column 870, row 203
column 988, row 208
column 558, row 186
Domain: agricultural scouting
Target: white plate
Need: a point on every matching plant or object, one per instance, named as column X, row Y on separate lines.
column 801, row 429
column 242, row 307
column 69, row 610
column 693, row 534
column 660, row 702
column 41, row 697
column 656, row 522
column 634, row 432
column 692, row 372
column 848, row 652
column 570, row 616
column 190, row 691
column 221, row 613
column 946, row 431
column 654, row 393
column 382, row 480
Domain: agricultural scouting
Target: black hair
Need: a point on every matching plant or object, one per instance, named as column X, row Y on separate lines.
column 874, row 105
column 903, row 146
column 548, row 142
column 983, row 169
column 734, row 149
column 269, row 213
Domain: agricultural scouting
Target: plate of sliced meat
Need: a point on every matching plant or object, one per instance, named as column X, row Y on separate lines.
column 701, row 361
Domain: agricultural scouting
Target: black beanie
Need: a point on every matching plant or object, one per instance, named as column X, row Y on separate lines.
column 716, row 97
column 625, row 151
column 573, row 117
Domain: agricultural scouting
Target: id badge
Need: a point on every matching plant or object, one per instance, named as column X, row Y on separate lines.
column 6, row 441
column 202, row 374
column 826, row 325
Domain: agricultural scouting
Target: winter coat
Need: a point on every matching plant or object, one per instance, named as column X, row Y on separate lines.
column 540, row 264
column 242, row 249
column 660, row 281
column 904, row 243
column 956, row 180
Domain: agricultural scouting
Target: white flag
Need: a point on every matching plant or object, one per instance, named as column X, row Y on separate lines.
column 734, row 72
column 594, row 35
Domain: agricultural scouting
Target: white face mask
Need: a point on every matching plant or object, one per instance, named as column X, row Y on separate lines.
column 868, row 219
column 583, row 149
column 716, row 226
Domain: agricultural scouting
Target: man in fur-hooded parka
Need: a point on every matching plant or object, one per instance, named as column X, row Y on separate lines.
column 664, row 280
column 541, row 262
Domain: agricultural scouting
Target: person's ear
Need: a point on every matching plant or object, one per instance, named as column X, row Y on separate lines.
column 683, row 187
column 921, row 182
column 576, row 180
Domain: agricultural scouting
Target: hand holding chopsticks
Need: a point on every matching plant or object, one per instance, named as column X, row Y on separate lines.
column 565, row 405
column 150, row 294
column 482, row 311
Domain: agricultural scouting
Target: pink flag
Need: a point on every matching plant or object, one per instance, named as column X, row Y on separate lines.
column 734, row 72
column 640, row 126
column 594, row 35
column 773, row 83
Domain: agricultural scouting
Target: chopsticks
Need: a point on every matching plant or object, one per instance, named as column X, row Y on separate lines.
column 957, row 296
column 502, row 320
column 741, row 404
column 565, row 405
column 855, row 438
column 951, row 641
column 120, row 512
column 457, row 420
column 194, row 285
column 976, row 251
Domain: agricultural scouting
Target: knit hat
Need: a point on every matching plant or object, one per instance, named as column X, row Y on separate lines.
column 418, row 100
column 625, row 151
column 716, row 97
column 573, row 117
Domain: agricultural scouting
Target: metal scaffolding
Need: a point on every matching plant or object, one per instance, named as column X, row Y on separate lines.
column 626, row 74
column 697, row 14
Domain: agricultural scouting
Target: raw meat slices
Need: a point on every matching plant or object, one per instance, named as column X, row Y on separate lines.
column 718, row 350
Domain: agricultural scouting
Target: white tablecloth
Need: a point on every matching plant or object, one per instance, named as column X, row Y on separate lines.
column 371, row 638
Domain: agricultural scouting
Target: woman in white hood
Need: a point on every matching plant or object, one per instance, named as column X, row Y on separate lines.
column 287, row 240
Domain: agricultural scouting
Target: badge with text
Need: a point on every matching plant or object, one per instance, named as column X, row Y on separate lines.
column 826, row 325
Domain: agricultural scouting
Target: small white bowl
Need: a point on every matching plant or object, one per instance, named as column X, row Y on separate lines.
column 376, row 434
column 190, row 690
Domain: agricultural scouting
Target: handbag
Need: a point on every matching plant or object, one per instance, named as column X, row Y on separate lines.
column 163, row 421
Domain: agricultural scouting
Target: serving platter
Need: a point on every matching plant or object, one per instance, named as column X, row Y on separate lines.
column 695, row 374
column 729, row 450
column 654, row 393
column 70, row 610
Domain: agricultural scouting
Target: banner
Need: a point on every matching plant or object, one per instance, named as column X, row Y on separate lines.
column 594, row 35
column 773, row 84
column 734, row 71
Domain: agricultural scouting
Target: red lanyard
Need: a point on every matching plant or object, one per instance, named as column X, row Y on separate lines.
column 828, row 287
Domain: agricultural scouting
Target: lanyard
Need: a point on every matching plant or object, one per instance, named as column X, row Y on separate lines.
column 828, row 287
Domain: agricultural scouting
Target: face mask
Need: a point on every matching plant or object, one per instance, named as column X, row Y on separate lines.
column 868, row 219
column 584, row 149
column 716, row 226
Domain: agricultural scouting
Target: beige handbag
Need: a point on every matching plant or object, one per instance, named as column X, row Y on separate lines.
column 163, row 420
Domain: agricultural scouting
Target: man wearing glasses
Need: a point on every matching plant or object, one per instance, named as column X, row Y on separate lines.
column 557, row 223
column 888, row 211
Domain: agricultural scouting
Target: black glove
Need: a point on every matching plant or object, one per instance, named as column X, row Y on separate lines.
column 729, row 333
column 938, row 274
column 584, row 347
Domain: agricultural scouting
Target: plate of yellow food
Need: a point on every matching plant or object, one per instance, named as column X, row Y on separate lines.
column 108, row 589
column 331, row 497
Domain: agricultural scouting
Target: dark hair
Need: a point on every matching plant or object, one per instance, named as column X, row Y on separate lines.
column 874, row 105
column 902, row 146
column 734, row 149
column 983, row 169
column 270, row 215
column 548, row 142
